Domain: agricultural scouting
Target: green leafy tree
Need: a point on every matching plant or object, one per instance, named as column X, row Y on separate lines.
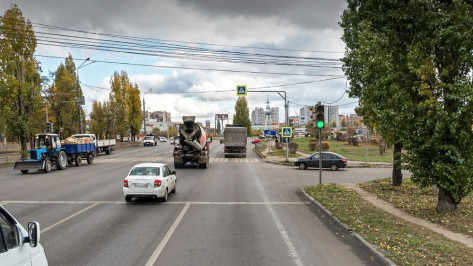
column 134, row 109
column 20, row 82
column 441, row 142
column 242, row 114
column 377, row 35
column 219, row 127
column 64, row 107
column 344, row 122
column 410, row 63
column 118, row 102
column 98, row 124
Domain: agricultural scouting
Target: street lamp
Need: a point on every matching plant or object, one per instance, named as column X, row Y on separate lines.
column 144, row 119
column 80, row 100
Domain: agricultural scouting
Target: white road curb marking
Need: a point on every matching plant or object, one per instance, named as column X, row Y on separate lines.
column 166, row 238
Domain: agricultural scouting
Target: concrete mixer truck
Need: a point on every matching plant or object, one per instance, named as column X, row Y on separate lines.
column 194, row 147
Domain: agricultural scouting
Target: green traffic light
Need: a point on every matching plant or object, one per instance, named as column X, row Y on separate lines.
column 320, row 124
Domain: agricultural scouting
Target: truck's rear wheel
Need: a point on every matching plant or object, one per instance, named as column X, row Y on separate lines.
column 78, row 160
column 61, row 161
column 108, row 151
column 24, row 171
column 90, row 158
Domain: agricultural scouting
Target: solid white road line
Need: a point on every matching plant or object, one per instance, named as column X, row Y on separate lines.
column 166, row 238
column 165, row 203
column 68, row 218
column 290, row 247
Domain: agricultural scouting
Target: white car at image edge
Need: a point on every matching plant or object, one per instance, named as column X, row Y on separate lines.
column 149, row 180
column 18, row 246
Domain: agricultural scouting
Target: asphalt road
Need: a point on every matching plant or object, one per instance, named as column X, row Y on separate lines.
column 236, row 212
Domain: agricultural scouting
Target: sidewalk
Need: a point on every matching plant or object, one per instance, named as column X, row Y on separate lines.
column 282, row 160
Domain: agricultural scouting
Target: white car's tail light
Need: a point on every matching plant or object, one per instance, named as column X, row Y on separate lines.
column 157, row 183
column 125, row 183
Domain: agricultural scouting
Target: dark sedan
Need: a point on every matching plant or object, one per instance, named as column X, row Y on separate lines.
column 329, row 160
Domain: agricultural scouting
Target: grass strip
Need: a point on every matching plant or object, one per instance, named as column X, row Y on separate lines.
column 421, row 203
column 402, row 242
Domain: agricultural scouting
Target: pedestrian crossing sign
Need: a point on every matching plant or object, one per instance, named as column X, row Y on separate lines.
column 286, row 132
column 241, row 90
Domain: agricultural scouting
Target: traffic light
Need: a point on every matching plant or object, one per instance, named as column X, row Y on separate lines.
column 319, row 119
column 49, row 127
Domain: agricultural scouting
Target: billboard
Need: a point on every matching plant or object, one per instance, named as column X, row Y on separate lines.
column 221, row 116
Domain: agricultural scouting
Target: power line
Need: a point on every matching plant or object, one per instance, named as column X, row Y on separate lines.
column 196, row 68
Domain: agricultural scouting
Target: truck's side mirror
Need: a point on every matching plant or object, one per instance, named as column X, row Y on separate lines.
column 33, row 234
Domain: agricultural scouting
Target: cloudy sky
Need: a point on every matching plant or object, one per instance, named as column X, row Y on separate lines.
column 191, row 55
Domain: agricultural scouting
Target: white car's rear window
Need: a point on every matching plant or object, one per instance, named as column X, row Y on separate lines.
column 145, row 171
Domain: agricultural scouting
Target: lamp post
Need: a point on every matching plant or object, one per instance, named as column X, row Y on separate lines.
column 144, row 119
column 79, row 99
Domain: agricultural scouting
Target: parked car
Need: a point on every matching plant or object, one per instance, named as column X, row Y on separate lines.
column 222, row 140
column 330, row 160
column 261, row 137
column 149, row 141
column 254, row 141
column 150, row 180
column 162, row 139
column 18, row 246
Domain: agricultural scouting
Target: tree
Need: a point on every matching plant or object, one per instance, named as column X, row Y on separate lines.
column 119, row 84
column 344, row 122
column 63, row 94
column 410, row 63
column 20, row 82
column 134, row 109
column 219, row 129
column 242, row 114
column 98, row 123
column 377, row 35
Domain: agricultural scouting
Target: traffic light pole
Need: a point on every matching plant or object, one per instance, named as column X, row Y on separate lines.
column 320, row 156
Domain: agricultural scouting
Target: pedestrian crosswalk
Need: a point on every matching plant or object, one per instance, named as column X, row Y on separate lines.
column 171, row 160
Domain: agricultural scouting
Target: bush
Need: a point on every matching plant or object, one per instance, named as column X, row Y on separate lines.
column 278, row 145
column 312, row 146
column 325, row 145
column 293, row 147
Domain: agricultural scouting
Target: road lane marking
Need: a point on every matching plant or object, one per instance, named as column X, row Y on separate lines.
column 68, row 218
column 166, row 238
column 284, row 234
column 164, row 203
column 170, row 160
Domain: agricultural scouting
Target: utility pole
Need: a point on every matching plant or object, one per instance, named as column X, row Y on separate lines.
column 144, row 110
column 80, row 102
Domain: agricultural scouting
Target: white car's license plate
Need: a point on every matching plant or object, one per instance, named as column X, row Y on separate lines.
column 140, row 185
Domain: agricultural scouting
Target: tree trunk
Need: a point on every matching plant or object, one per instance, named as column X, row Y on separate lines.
column 24, row 147
column 397, row 175
column 445, row 202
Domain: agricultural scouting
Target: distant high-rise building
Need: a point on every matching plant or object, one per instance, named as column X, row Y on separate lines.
column 265, row 116
column 161, row 116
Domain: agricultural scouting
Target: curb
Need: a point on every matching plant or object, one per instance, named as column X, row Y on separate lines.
column 361, row 241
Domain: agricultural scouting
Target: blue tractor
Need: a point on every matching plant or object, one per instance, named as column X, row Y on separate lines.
column 47, row 152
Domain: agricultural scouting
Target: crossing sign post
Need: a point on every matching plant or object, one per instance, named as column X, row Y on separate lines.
column 241, row 90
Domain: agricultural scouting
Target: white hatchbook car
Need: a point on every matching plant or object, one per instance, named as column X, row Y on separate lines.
column 150, row 180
